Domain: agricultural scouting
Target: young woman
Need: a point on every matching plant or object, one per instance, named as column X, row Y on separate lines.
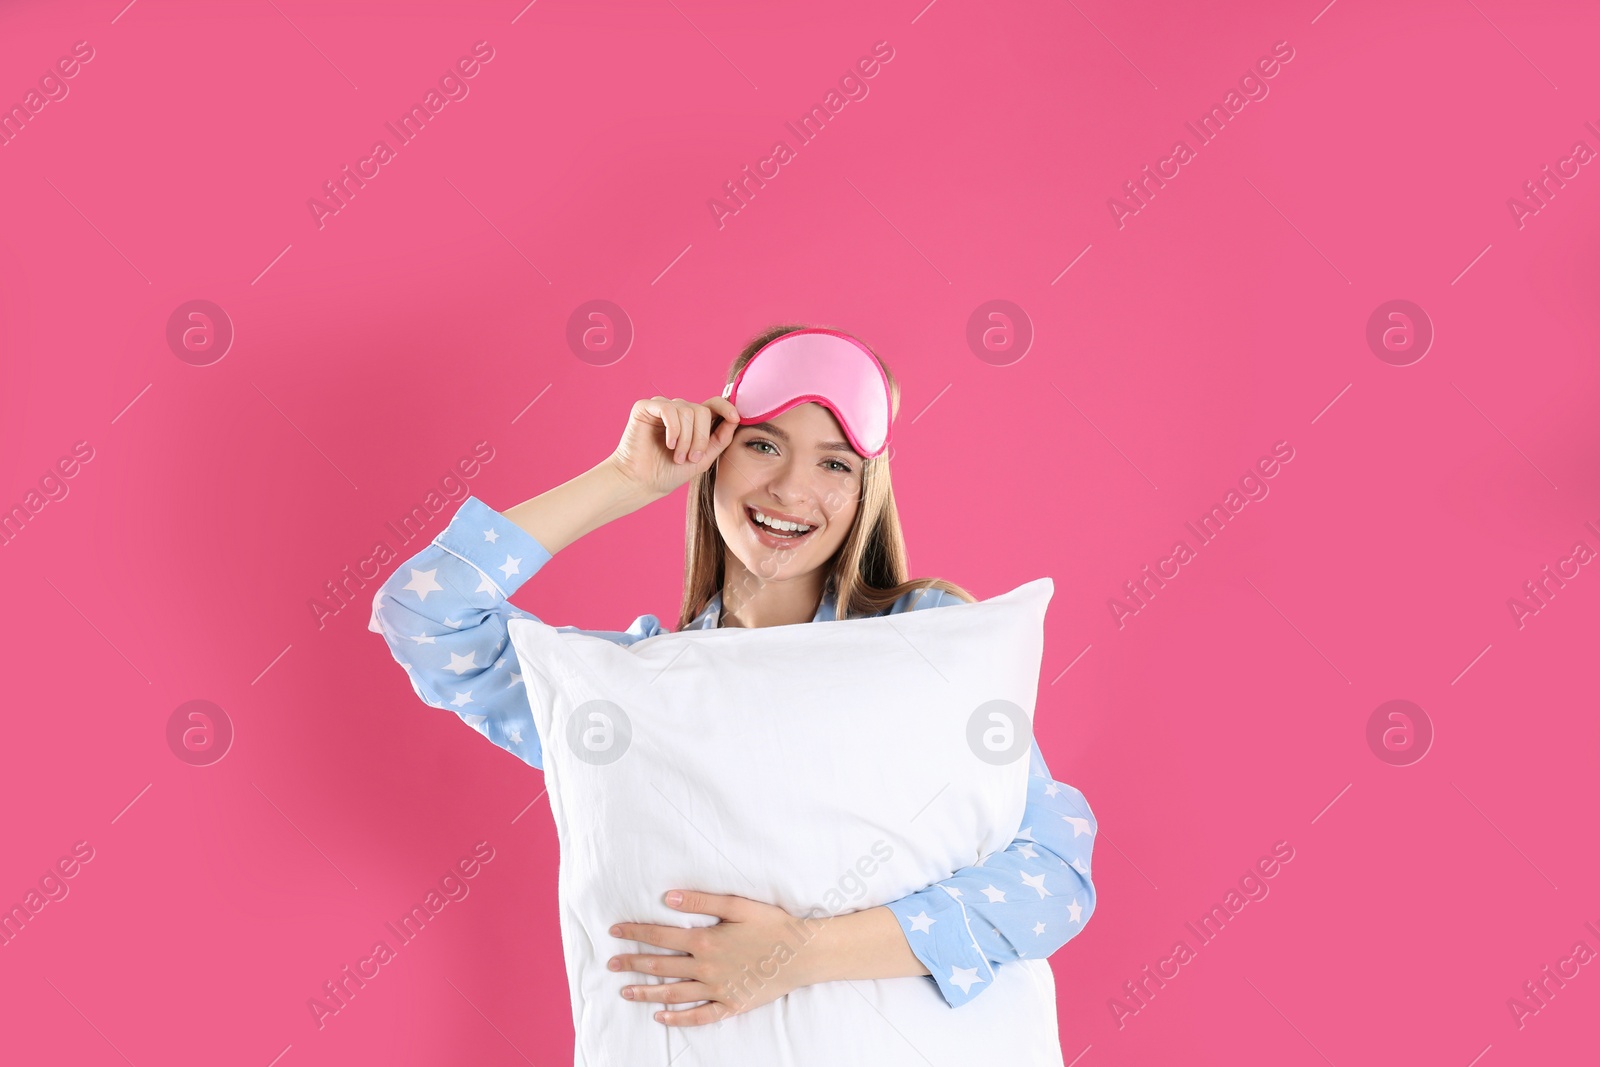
column 791, row 518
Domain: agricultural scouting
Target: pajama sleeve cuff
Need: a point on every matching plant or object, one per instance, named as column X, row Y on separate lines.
column 500, row 549
column 935, row 925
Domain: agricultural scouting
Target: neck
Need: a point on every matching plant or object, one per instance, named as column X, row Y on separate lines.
column 748, row 600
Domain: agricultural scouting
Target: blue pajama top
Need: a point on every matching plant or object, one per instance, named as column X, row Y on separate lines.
column 443, row 615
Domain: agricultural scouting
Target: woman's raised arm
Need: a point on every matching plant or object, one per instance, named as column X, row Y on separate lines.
column 443, row 612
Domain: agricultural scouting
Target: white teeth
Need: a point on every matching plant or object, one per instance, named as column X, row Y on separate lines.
column 779, row 524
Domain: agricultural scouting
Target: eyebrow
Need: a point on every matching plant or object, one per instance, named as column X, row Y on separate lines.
column 830, row 446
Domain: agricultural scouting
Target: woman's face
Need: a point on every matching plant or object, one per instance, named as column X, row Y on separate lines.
column 798, row 467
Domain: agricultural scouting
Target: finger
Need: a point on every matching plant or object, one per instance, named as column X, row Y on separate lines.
column 727, row 422
column 724, row 435
column 661, row 966
column 721, row 405
column 673, row 937
column 705, row 1013
column 720, row 905
column 656, row 406
column 702, row 431
column 669, row 992
column 685, row 429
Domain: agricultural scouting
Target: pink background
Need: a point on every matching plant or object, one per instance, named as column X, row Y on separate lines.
column 1230, row 313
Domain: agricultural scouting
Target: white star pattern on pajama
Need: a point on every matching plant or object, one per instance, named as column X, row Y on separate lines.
column 1025, row 901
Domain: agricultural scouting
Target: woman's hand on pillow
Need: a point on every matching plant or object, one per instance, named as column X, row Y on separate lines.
column 727, row 964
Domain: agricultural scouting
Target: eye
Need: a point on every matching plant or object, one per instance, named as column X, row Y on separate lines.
column 839, row 466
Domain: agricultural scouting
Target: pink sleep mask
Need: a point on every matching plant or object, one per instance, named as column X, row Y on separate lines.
column 826, row 366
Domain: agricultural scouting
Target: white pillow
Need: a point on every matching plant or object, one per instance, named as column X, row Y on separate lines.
column 792, row 765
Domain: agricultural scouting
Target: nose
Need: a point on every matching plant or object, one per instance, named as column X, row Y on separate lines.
column 791, row 483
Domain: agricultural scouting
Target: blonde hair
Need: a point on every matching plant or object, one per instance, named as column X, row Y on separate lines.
column 869, row 571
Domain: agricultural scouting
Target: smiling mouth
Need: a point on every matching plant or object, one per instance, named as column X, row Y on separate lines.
column 772, row 534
